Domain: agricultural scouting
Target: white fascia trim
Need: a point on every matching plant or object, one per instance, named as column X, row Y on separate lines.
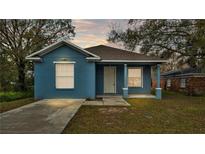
column 129, row 61
column 64, row 62
column 37, row 52
column 66, row 42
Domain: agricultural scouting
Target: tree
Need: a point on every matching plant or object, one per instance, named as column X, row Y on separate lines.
column 7, row 73
column 183, row 40
column 19, row 38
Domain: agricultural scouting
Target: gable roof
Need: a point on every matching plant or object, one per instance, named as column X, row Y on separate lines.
column 37, row 55
column 110, row 54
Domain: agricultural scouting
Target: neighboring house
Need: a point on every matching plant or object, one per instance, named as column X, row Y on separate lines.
column 189, row 80
column 64, row 70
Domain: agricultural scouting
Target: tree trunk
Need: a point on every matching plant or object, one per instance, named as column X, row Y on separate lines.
column 21, row 76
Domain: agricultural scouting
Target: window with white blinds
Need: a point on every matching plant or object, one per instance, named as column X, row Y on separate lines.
column 135, row 77
column 64, row 75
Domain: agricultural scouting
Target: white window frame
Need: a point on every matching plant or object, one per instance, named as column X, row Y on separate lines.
column 141, row 68
column 182, row 83
column 65, row 62
column 169, row 82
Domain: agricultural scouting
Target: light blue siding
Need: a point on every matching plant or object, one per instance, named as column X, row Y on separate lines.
column 99, row 79
column 120, row 78
column 84, row 75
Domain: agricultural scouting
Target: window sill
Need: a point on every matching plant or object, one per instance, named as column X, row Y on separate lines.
column 65, row 88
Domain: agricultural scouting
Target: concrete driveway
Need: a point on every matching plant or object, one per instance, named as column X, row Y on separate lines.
column 45, row 116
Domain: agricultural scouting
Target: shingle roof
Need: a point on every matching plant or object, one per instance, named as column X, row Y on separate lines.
column 110, row 53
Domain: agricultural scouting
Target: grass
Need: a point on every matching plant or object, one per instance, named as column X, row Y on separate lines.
column 6, row 106
column 10, row 96
column 175, row 113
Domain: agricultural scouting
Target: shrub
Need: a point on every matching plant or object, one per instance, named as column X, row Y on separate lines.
column 10, row 96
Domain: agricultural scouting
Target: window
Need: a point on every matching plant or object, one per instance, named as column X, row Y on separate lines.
column 135, row 77
column 183, row 83
column 64, row 75
column 168, row 83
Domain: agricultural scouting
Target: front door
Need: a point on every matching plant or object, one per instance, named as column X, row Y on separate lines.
column 109, row 79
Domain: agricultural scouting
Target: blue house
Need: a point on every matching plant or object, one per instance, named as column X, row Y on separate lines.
column 64, row 70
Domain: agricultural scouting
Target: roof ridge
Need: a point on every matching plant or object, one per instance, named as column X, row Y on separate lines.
column 93, row 46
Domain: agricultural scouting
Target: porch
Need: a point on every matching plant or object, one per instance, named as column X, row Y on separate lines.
column 129, row 80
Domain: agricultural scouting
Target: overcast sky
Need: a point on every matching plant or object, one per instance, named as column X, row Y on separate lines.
column 94, row 32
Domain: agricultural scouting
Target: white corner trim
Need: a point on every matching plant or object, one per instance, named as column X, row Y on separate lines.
column 64, row 62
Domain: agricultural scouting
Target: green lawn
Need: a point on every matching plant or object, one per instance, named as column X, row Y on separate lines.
column 176, row 113
column 6, row 106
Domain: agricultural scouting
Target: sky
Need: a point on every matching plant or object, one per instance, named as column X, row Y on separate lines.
column 95, row 31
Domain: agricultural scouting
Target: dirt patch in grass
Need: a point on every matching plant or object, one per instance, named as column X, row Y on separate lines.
column 112, row 110
column 175, row 113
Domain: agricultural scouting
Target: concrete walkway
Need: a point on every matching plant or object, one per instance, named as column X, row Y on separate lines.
column 45, row 116
column 108, row 101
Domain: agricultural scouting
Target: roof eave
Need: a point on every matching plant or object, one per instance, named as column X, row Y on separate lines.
column 132, row 61
column 185, row 75
column 34, row 58
column 93, row 59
